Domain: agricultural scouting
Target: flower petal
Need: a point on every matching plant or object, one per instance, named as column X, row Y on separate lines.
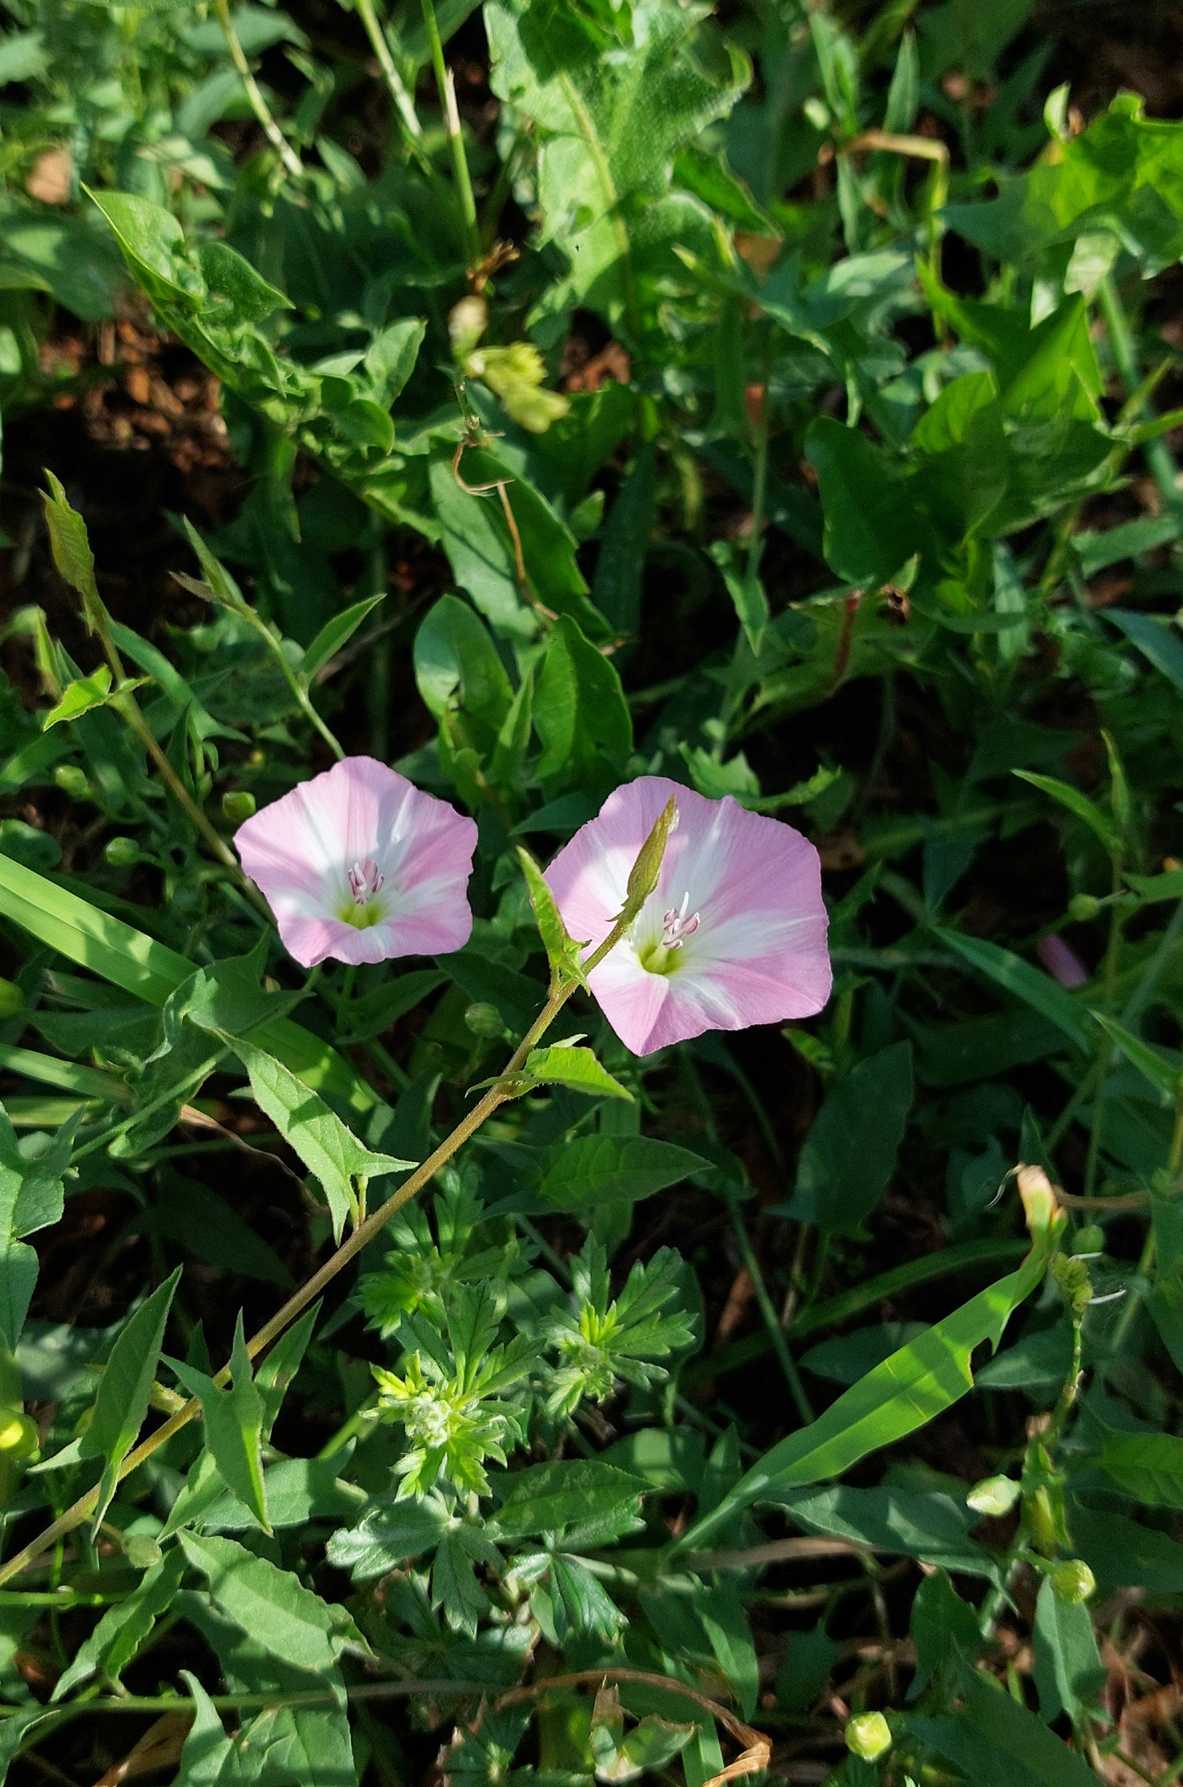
column 759, row 955
column 299, row 850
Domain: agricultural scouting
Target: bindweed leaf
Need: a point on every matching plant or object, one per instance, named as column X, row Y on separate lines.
column 233, row 1421
column 594, row 1170
column 80, row 697
column 335, row 634
column 576, row 1068
column 326, row 1145
column 563, row 952
column 122, row 1401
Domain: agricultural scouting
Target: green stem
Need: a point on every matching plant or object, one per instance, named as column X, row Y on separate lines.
column 1108, row 1050
column 403, row 105
column 254, row 93
column 780, row 1345
column 362, row 1235
column 1125, row 357
column 447, row 92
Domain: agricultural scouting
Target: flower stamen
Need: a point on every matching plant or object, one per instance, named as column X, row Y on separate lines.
column 676, row 927
column 365, row 880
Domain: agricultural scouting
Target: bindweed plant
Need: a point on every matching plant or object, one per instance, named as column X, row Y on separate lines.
column 592, row 1127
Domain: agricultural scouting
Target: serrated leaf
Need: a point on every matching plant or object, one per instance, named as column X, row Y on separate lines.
column 593, row 1170
column 576, row 1068
column 389, row 1535
column 122, row 1400
column 326, row 1145
column 551, row 1497
column 80, row 697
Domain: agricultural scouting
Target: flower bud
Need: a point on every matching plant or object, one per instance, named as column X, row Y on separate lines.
column 646, row 870
column 484, row 1020
column 993, row 1495
column 72, row 781
column 1082, row 907
column 1041, row 1206
column 19, row 1437
column 1072, row 1581
column 12, row 1000
column 1089, row 1240
column 868, row 1735
column 122, row 853
column 238, row 805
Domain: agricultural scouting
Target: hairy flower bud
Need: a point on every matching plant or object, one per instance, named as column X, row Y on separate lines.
column 484, row 1020
column 19, row 1437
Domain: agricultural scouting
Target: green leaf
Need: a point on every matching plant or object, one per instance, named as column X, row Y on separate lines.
column 599, row 1169
column 546, row 1498
column 151, row 971
column 746, row 591
column 1017, row 977
column 81, row 696
column 126, row 1384
column 849, row 1155
column 389, row 1534
column 209, row 1758
column 576, row 1068
column 458, row 669
column 336, row 633
column 1068, row 1667
column 1077, row 803
column 580, row 711
column 942, row 1625
column 563, row 952
column 233, row 1424
column 1157, row 640
column 391, row 356
column 1163, row 1074
column 1147, row 1466
column 624, row 544
column 70, row 546
column 271, row 1606
column 909, row 1389
column 870, row 528
column 996, row 1742
column 326, row 1145
column 32, row 1192
column 123, row 1629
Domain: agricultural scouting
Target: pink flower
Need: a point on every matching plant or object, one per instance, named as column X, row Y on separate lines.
column 734, row 933
column 1062, row 961
column 358, row 865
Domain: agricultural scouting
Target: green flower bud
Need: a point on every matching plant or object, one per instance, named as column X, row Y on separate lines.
column 19, row 1437
column 993, row 1495
column 1082, row 907
column 484, row 1020
column 1072, row 1581
column 238, row 805
column 122, row 853
column 868, row 1735
column 12, row 1000
column 72, row 781
column 1090, row 1239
